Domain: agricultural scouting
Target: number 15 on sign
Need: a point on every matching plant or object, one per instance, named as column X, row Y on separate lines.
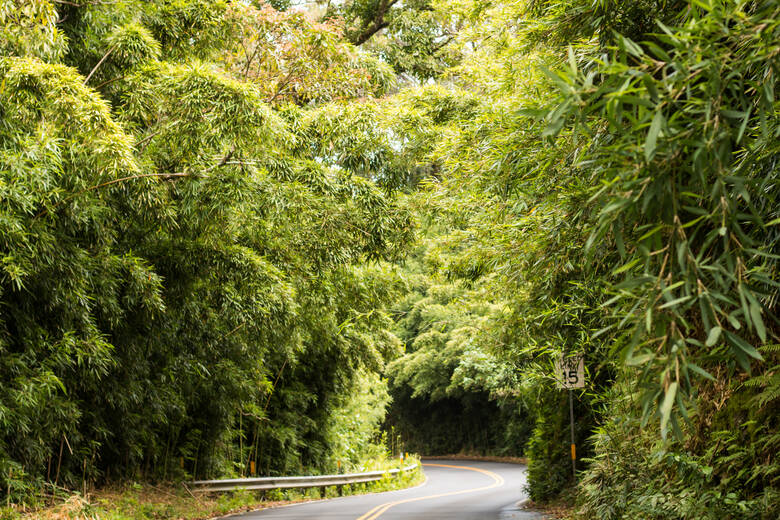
column 570, row 372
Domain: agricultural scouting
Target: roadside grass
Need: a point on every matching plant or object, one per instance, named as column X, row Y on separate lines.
column 172, row 501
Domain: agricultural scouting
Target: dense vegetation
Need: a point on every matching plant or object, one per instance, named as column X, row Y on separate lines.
column 235, row 231
column 185, row 288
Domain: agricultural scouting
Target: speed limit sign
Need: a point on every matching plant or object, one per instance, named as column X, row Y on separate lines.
column 570, row 371
column 570, row 374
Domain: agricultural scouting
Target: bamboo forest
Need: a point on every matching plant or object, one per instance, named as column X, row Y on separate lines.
column 245, row 238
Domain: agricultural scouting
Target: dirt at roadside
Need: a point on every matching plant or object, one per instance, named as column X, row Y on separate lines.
column 484, row 458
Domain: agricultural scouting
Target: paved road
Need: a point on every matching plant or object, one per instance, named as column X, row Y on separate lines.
column 455, row 490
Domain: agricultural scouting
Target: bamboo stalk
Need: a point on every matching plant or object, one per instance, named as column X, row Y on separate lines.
column 59, row 461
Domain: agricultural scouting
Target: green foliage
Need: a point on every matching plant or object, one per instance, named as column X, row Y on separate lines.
column 413, row 37
column 65, row 272
column 207, row 210
column 563, row 22
column 187, row 28
column 549, row 465
column 182, row 292
column 29, row 28
column 391, row 141
column 354, row 428
column 632, row 219
column 719, row 473
column 293, row 59
column 687, row 185
column 450, row 393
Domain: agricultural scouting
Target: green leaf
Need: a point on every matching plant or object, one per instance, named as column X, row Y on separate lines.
column 734, row 321
column 630, row 46
column 649, row 84
column 758, row 322
column 666, row 407
column 674, row 302
column 559, row 80
column 650, row 233
column 713, row 336
column 652, row 135
column 532, row 113
column 700, row 371
column 743, row 126
column 743, row 345
column 641, row 359
column 60, row 384
column 649, row 319
column 572, row 60
column 707, row 6
column 627, row 266
column 619, row 240
column 657, row 51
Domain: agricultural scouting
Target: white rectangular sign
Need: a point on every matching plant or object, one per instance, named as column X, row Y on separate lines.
column 570, row 371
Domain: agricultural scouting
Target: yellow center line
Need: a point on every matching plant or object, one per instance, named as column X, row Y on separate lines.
column 378, row 510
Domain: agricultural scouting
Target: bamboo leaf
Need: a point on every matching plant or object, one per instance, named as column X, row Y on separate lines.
column 652, row 135
column 700, row 371
column 675, row 302
column 743, row 346
column 758, row 322
column 666, row 407
column 627, row 266
column 713, row 336
column 743, row 126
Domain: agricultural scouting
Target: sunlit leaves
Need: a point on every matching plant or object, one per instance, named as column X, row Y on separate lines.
column 292, row 58
column 194, row 115
column 678, row 187
column 176, row 279
column 188, row 28
column 29, row 28
column 66, row 278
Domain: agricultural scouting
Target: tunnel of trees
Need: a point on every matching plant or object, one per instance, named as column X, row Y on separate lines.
column 296, row 236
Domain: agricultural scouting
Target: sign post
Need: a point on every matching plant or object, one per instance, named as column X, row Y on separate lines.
column 570, row 373
column 573, row 445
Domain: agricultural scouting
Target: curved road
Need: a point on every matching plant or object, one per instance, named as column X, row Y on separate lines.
column 454, row 490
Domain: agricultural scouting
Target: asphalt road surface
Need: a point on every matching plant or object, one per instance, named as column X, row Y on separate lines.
column 454, row 490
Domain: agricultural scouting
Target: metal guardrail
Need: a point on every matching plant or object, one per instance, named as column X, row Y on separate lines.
column 293, row 482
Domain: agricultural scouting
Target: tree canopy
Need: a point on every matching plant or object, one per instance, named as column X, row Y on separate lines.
column 254, row 231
